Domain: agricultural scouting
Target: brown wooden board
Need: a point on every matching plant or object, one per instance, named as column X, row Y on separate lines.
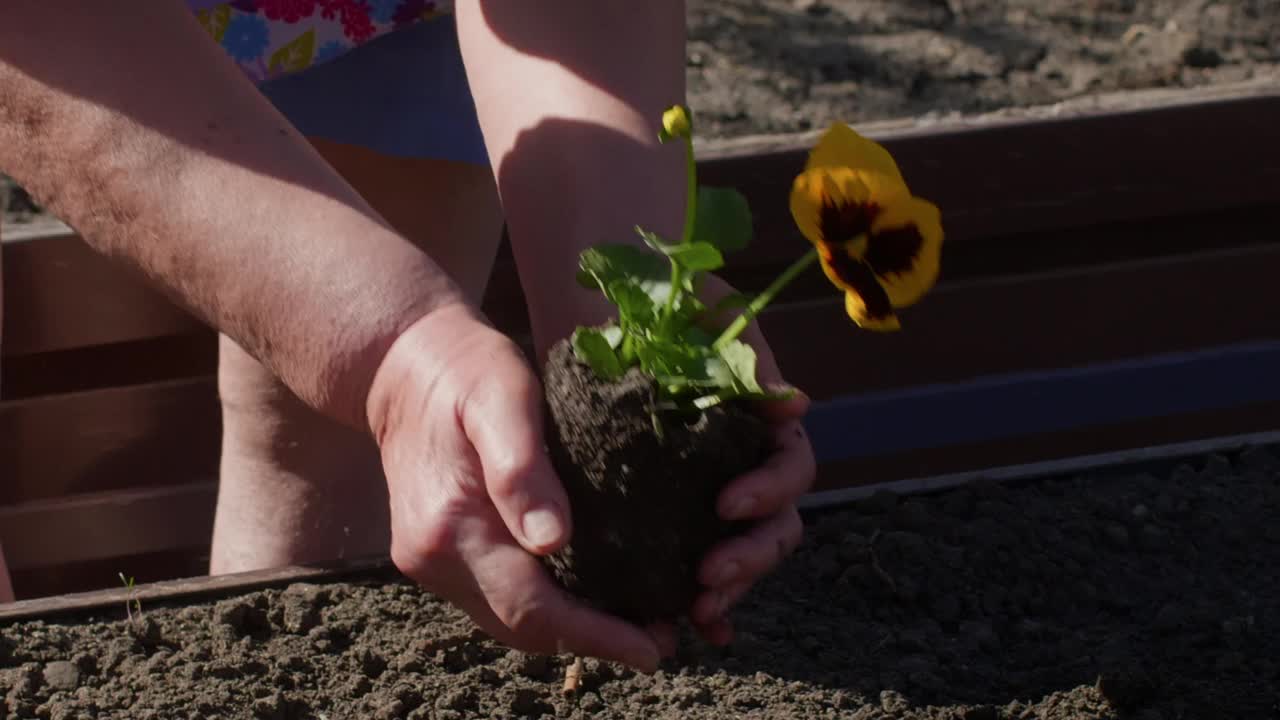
column 110, row 439
column 110, row 601
column 993, row 178
column 168, row 432
column 59, row 294
column 98, row 526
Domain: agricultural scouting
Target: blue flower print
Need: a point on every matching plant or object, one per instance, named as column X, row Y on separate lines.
column 382, row 11
column 330, row 50
column 246, row 37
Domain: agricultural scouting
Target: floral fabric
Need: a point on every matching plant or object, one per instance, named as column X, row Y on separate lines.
column 273, row 38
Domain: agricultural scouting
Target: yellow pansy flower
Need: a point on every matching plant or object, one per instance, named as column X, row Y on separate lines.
column 876, row 241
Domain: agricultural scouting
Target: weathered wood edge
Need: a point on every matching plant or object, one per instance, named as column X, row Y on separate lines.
column 112, row 601
column 1086, row 106
column 711, row 149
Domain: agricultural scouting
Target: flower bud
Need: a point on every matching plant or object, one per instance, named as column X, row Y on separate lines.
column 675, row 122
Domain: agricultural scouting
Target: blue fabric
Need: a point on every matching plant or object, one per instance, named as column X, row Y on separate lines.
column 404, row 94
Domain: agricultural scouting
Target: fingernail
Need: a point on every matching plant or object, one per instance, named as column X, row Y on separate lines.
column 541, row 527
column 742, row 506
column 727, row 572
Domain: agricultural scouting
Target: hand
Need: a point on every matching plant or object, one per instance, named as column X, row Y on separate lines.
column 457, row 414
column 767, row 495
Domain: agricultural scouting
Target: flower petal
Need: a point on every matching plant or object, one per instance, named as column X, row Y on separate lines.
column 842, row 147
column 856, row 307
column 865, row 300
column 904, row 249
column 829, row 204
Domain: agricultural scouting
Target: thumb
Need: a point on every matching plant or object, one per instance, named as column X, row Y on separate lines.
column 503, row 420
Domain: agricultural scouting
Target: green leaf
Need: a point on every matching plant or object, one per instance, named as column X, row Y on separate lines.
column 741, row 360
column 692, row 256
column 653, row 240
column 723, row 219
column 697, row 257
column 634, row 304
column 591, row 347
column 605, row 264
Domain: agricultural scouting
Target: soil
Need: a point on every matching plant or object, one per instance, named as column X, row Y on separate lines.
column 770, row 66
column 644, row 507
column 1151, row 595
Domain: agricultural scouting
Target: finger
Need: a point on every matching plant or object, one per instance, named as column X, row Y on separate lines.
column 786, row 475
column 503, row 421
column 782, row 410
column 711, row 606
column 535, row 615
column 770, row 377
column 746, row 557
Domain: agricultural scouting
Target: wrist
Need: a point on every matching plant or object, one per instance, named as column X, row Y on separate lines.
column 416, row 359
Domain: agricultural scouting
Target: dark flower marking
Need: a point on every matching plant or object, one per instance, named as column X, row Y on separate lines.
column 893, row 251
column 857, row 276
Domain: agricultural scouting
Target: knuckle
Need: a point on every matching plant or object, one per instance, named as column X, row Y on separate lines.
column 426, row 553
column 507, row 476
column 526, row 620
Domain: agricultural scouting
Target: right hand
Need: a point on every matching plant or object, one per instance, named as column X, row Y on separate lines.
column 457, row 413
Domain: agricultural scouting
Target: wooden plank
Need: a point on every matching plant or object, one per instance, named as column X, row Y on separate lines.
column 127, row 437
column 1117, row 437
column 111, row 601
column 160, row 433
column 123, row 364
column 121, row 527
column 1009, row 406
column 59, row 294
column 993, row 178
column 108, row 525
column 1147, row 458
column 1051, row 320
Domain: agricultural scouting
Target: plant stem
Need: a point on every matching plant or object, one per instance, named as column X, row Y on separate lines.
column 690, row 213
column 740, row 323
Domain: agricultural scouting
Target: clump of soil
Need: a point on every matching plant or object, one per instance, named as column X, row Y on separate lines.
column 1152, row 596
column 643, row 503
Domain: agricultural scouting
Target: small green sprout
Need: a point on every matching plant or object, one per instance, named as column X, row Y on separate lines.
column 131, row 605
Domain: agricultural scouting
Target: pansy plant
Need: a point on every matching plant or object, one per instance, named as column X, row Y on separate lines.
column 872, row 238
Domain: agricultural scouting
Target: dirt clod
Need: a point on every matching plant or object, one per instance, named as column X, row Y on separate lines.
column 61, row 675
column 643, row 503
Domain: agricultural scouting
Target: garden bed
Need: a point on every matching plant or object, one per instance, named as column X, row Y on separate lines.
column 1148, row 594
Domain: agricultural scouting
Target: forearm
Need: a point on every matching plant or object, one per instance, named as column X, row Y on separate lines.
column 570, row 96
column 151, row 145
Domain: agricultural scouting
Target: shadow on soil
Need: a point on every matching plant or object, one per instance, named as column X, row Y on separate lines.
column 1157, row 594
